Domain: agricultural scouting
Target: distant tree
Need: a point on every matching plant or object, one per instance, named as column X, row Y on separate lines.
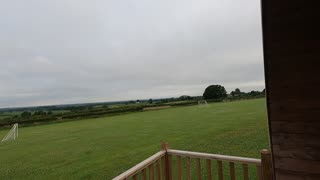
column 106, row 106
column 236, row 92
column 25, row 114
column 49, row 113
column 254, row 93
column 40, row 113
column 150, row 101
column 214, row 92
column 138, row 101
column 184, row 98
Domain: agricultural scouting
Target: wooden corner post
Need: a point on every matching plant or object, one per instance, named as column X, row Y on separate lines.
column 167, row 165
column 266, row 163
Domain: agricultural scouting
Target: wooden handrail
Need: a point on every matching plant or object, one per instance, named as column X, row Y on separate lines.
column 160, row 166
column 132, row 171
column 215, row 157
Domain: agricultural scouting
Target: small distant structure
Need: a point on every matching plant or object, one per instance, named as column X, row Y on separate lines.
column 202, row 103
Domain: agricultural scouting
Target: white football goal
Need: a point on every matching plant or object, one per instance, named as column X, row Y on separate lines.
column 202, row 103
column 12, row 134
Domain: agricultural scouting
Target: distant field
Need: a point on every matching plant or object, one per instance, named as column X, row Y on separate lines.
column 104, row 147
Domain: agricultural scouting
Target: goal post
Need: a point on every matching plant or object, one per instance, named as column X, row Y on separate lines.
column 12, row 134
column 202, row 103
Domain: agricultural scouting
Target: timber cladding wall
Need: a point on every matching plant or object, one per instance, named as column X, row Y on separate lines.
column 291, row 37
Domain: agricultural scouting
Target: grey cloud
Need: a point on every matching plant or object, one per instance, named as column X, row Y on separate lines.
column 58, row 51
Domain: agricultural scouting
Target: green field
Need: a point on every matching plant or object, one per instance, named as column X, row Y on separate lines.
column 104, row 147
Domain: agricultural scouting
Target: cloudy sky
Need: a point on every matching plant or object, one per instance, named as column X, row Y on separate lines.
column 73, row 51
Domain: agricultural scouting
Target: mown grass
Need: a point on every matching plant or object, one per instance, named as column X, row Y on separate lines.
column 104, row 147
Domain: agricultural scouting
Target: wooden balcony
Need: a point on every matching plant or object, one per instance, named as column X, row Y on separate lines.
column 160, row 166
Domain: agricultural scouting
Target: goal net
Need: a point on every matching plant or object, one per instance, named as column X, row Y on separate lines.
column 12, row 134
column 202, row 103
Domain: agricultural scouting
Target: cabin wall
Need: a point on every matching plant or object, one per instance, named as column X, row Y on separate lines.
column 291, row 39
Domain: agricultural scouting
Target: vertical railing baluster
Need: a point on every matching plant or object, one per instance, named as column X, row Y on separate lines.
column 144, row 174
column 259, row 172
column 179, row 168
column 245, row 171
column 220, row 172
column 163, row 167
column 198, row 166
column 169, row 164
column 188, row 168
column 135, row 177
column 158, row 176
column 232, row 171
column 151, row 172
column 208, row 164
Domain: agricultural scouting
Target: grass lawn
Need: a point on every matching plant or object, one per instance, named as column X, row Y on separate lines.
column 104, row 147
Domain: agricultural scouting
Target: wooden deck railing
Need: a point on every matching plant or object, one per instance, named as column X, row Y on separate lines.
column 160, row 166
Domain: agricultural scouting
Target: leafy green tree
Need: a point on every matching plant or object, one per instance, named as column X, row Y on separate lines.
column 215, row 92
column 25, row 114
column 236, row 92
column 185, row 97
column 150, row 101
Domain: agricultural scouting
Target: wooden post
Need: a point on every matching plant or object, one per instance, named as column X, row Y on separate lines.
column 164, row 146
column 168, row 161
column 266, row 164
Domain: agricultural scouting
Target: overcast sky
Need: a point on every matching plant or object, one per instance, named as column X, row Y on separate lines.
column 74, row 51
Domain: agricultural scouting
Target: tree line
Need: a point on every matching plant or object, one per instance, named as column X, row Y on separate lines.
column 213, row 93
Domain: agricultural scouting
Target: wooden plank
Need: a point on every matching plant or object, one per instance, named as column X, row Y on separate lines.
column 198, row 167
column 291, row 55
column 135, row 177
column 297, row 152
column 293, row 175
column 220, row 170
column 179, row 168
column 188, row 168
column 208, row 167
column 307, row 140
column 310, row 127
column 232, row 171
column 163, row 167
column 151, row 173
column 158, row 174
column 144, row 174
column 298, row 165
column 245, row 171
column 214, row 157
column 169, row 166
column 259, row 172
